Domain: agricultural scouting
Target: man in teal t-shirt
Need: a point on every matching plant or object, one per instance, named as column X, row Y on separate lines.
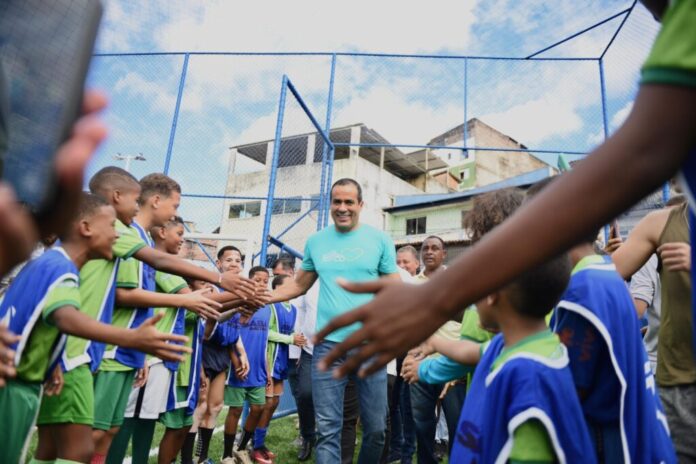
column 354, row 252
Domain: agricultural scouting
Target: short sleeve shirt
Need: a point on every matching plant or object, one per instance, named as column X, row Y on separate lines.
column 362, row 254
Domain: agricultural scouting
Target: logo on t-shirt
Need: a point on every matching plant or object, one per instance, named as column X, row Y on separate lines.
column 343, row 256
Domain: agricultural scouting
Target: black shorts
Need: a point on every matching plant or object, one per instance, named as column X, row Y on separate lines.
column 216, row 360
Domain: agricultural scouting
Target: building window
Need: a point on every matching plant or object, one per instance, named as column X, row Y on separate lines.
column 464, row 213
column 415, row 226
column 464, row 174
column 287, row 206
column 245, row 210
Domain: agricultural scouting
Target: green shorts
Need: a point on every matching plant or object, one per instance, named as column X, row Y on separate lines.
column 111, row 391
column 235, row 396
column 75, row 404
column 177, row 418
column 19, row 404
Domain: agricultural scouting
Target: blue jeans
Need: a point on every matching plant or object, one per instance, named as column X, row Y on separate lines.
column 305, row 405
column 408, row 426
column 328, row 393
column 424, row 399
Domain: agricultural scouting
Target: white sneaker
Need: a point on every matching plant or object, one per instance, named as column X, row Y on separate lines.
column 229, row 460
column 242, row 457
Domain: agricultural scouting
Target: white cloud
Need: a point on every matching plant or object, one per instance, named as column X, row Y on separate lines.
column 154, row 93
column 315, row 25
column 620, row 116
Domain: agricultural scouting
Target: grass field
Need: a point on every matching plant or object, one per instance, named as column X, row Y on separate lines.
column 281, row 436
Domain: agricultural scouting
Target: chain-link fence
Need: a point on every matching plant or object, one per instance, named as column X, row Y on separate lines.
column 422, row 134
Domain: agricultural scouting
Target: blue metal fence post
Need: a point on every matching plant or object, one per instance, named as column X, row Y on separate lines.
column 605, row 124
column 665, row 192
column 466, row 101
column 172, row 132
column 325, row 151
column 274, row 169
column 327, row 187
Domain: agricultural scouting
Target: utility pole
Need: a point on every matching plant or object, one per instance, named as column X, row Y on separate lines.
column 129, row 158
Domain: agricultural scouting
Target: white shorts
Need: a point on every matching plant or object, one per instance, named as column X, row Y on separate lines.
column 150, row 401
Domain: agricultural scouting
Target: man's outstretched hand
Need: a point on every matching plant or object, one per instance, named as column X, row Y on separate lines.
column 397, row 319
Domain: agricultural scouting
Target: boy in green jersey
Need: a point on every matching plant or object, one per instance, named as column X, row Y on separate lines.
column 42, row 303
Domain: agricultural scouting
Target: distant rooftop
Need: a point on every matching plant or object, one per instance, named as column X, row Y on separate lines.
column 407, row 202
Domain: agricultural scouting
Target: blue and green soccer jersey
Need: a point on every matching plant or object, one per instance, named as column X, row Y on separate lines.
column 132, row 273
column 360, row 255
column 98, row 294
column 44, row 285
column 173, row 320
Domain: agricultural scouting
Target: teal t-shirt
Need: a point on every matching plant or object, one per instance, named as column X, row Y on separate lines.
column 362, row 254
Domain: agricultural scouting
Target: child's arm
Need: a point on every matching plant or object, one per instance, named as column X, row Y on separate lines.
column 145, row 338
column 462, row 351
column 197, row 301
column 240, row 286
column 243, row 369
column 296, row 339
column 615, row 176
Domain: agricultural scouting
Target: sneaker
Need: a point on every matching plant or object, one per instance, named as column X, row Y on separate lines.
column 260, row 456
column 242, row 457
column 227, row 460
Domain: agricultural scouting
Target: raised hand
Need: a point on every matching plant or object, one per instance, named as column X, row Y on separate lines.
column 392, row 323
column 198, row 303
column 165, row 346
column 409, row 369
column 237, row 284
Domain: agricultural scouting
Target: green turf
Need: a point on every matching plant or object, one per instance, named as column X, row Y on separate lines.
column 281, row 435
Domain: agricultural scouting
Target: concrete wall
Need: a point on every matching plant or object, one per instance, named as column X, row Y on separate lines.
column 440, row 220
column 493, row 166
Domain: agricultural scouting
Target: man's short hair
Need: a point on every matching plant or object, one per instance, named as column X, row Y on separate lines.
column 256, row 269
column 535, row 292
column 112, row 178
column 348, row 181
column 286, row 262
column 221, row 252
column 278, row 281
column 408, row 249
column 157, row 184
column 435, row 237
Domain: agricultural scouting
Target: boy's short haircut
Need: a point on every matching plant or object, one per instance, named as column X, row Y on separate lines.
column 221, row 252
column 174, row 221
column 278, row 281
column 157, row 184
column 256, row 269
column 541, row 185
column 112, row 178
column 538, row 290
column 490, row 210
column 89, row 204
column 286, row 262
column 408, row 249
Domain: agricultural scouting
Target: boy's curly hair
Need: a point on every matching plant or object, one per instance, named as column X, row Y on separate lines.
column 490, row 210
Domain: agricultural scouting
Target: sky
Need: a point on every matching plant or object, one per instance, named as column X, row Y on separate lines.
column 231, row 100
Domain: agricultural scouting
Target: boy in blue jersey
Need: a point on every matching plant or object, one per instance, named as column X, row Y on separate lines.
column 43, row 302
column 597, row 322
column 280, row 336
column 254, row 334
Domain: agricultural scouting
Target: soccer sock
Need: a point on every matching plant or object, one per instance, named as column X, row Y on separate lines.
column 98, row 459
column 228, row 445
column 119, row 445
column 204, row 439
column 143, row 431
column 187, row 448
column 244, row 441
column 260, row 437
column 39, row 461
